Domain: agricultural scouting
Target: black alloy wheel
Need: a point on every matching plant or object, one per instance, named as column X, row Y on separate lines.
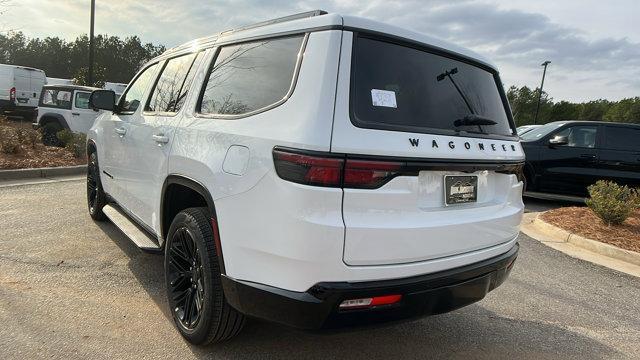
column 186, row 280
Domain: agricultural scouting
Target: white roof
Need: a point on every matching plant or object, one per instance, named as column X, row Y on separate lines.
column 321, row 22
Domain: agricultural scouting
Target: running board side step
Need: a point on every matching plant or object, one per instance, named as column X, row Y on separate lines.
column 139, row 237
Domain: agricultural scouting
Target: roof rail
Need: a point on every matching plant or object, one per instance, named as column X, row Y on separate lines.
column 306, row 14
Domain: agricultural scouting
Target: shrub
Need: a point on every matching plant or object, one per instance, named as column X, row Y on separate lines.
column 74, row 142
column 9, row 140
column 611, row 202
column 28, row 137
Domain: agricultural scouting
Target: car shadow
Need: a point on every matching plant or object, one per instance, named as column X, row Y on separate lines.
column 472, row 332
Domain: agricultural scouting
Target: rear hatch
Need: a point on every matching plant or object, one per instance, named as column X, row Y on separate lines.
column 433, row 133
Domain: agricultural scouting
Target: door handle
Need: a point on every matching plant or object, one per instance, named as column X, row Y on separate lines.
column 160, row 139
column 120, row 131
column 588, row 156
column 75, row 114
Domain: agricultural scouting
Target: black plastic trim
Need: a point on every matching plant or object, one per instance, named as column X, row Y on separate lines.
column 56, row 118
column 318, row 308
column 200, row 189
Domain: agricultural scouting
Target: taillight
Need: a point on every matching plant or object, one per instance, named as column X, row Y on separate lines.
column 12, row 94
column 309, row 169
column 333, row 170
column 367, row 174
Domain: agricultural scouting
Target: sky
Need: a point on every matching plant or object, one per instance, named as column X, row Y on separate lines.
column 593, row 45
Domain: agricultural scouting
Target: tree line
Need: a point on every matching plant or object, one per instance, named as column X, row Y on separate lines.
column 523, row 101
column 116, row 59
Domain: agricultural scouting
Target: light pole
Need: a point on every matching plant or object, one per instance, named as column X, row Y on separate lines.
column 544, row 72
column 90, row 70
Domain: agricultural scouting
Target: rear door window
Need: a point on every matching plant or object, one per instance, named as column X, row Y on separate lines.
column 251, row 76
column 171, row 89
column 402, row 88
column 622, row 138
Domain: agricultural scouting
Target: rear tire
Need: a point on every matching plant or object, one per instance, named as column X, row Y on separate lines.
column 194, row 287
column 50, row 134
column 96, row 198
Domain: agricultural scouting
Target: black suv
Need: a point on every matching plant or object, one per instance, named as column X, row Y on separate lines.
column 564, row 157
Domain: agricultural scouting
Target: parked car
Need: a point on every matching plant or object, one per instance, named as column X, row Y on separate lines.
column 317, row 170
column 64, row 107
column 19, row 89
column 565, row 157
column 521, row 130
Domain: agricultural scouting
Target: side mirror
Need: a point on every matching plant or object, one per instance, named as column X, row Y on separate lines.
column 103, row 99
column 558, row 140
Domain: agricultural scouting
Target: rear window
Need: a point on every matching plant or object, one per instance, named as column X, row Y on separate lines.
column 55, row 98
column 397, row 87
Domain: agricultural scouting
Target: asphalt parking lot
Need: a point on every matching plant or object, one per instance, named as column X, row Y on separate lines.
column 72, row 288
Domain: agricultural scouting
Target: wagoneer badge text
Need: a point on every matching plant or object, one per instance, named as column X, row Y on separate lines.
column 467, row 145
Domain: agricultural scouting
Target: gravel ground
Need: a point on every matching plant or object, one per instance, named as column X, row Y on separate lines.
column 71, row 288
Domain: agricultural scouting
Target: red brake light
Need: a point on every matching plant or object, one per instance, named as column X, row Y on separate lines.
column 331, row 170
column 308, row 169
column 369, row 174
column 12, row 94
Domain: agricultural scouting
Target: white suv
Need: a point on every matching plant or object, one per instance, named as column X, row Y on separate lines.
column 64, row 107
column 317, row 171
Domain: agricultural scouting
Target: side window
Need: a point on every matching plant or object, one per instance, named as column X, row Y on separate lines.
column 622, row 138
column 81, row 100
column 56, row 98
column 130, row 101
column 580, row 136
column 171, row 89
column 250, row 76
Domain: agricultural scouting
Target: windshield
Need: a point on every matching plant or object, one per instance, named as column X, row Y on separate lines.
column 401, row 88
column 540, row 132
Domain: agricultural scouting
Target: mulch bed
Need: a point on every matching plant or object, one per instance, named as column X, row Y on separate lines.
column 35, row 157
column 38, row 157
column 582, row 221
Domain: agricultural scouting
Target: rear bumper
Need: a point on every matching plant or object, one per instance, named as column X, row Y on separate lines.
column 422, row 295
column 7, row 104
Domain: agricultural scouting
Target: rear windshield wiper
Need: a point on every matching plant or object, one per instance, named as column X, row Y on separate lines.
column 472, row 120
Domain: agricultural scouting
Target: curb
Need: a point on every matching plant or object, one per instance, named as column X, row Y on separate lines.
column 16, row 174
column 562, row 236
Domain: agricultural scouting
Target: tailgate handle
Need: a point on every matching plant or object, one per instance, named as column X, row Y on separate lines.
column 120, row 131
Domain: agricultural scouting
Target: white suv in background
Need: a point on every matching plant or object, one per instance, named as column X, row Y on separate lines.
column 64, row 107
column 317, row 170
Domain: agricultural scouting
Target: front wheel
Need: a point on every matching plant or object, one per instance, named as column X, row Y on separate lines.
column 96, row 198
column 192, row 272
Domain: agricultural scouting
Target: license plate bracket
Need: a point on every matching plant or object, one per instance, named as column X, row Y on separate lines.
column 460, row 189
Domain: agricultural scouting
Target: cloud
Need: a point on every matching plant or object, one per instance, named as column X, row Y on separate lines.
column 583, row 66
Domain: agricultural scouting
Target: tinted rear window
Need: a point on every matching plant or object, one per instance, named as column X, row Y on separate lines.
column 251, row 76
column 397, row 87
column 622, row 138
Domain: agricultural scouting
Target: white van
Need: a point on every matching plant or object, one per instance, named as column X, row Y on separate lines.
column 20, row 89
column 59, row 81
column 317, row 171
